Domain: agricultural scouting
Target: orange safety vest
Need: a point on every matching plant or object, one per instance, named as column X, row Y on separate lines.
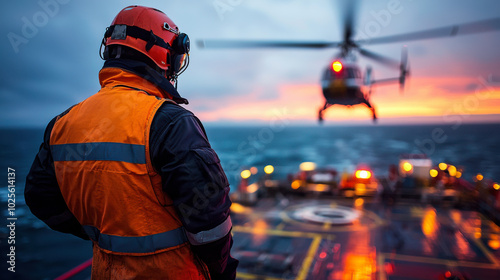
column 103, row 168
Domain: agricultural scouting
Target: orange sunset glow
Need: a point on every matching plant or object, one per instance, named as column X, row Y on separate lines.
column 423, row 97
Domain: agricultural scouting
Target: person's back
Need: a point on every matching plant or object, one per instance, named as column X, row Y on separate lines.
column 127, row 167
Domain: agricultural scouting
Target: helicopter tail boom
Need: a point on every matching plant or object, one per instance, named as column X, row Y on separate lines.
column 403, row 69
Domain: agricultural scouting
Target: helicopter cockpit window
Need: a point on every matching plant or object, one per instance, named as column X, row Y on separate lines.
column 351, row 73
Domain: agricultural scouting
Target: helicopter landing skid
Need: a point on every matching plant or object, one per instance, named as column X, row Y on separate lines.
column 327, row 105
column 321, row 110
column 374, row 114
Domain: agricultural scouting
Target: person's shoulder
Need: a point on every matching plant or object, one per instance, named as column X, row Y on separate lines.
column 66, row 111
column 52, row 122
column 172, row 120
column 169, row 112
column 171, row 115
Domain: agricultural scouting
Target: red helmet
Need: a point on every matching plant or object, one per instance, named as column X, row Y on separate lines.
column 152, row 33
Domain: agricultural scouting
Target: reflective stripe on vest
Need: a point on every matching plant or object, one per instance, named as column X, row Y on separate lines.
column 139, row 244
column 132, row 153
column 211, row 235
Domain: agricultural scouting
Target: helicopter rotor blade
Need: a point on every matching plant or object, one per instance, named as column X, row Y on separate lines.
column 404, row 56
column 382, row 59
column 448, row 31
column 349, row 18
column 404, row 69
column 264, row 44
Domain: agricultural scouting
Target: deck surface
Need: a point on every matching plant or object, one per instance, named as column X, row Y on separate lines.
column 408, row 240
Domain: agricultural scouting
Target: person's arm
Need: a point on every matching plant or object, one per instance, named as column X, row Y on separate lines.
column 42, row 193
column 193, row 178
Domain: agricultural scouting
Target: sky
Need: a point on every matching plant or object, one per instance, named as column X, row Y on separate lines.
column 50, row 60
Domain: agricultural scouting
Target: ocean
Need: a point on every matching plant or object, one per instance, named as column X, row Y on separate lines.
column 44, row 254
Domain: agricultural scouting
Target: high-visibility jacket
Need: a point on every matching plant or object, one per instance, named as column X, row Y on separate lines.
column 103, row 168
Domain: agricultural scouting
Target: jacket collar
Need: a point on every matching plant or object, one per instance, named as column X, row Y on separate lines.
column 139, row 75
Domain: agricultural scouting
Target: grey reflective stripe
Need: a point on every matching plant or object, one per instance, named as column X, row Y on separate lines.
column 140, row 244
column 132, row 153
column 211, row 235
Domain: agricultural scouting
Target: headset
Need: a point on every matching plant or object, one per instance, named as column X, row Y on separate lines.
column 178, row 57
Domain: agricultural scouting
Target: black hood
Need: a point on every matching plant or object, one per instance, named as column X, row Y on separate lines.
column 146, row 72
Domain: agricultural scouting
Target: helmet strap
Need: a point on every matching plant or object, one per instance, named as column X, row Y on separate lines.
column 118, row 51
column 102, row 55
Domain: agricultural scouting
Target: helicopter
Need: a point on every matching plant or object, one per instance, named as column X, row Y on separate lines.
column 342, row 82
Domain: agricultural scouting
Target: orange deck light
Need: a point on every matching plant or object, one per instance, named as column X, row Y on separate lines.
column 479, row 177
column 269, row 169
column 433, row 173
column 443, row 166
column 408, row 167
column 245, row 174
column 363, row 174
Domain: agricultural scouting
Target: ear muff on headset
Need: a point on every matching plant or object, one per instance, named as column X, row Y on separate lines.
column 179, row 62
column 180, row 55
column 181, row 44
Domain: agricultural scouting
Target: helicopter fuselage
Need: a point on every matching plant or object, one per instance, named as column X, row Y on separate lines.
column 342, row 84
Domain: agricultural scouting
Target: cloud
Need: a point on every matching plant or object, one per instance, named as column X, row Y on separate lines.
column 57, row 67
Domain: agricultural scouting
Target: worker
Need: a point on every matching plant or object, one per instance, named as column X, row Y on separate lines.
column 132, row 170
